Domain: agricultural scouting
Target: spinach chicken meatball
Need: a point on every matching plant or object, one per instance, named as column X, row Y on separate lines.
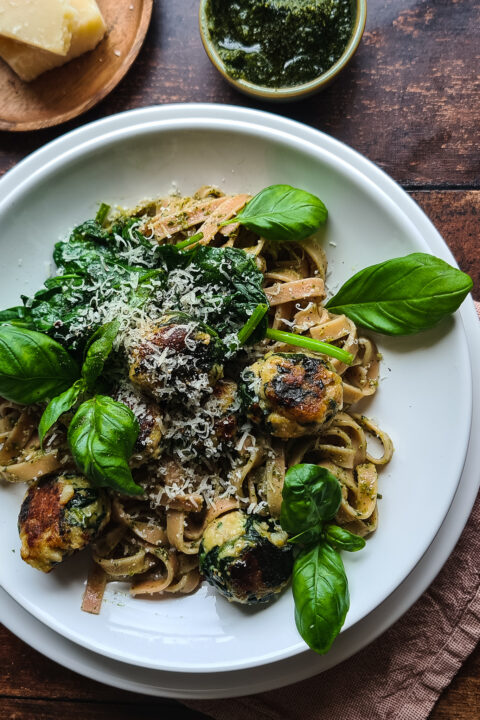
column 246, row 557
column 58, row 517
column 292, row 394
column 175, row 355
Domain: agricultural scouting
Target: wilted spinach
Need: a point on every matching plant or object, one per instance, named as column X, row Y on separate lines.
column 238, row 284
column 96, row 263
column 93, row 266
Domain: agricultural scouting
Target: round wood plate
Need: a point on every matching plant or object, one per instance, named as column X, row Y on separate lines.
column 65, row 92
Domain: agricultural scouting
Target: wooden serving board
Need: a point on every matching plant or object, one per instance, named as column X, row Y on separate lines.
column 65, row 92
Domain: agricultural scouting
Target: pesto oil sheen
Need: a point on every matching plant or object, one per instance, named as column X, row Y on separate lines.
column 279, row 43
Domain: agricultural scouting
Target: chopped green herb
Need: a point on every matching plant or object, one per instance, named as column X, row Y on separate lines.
column 252, row 322
column 193, row 240
column 310, row 344
column 102, row 213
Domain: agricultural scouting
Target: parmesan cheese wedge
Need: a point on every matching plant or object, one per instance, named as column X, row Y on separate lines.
column 45, row 24
column 88, row 28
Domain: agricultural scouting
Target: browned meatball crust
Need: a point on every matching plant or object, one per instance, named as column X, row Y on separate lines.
column 58, row 517
column 296, row 394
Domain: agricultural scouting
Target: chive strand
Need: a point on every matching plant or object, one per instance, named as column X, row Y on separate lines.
column 189, row 241
column 253, row 321
column 310, row 344
column 102, row 213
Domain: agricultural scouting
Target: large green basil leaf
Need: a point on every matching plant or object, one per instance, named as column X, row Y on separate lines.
column 59, row 405
column 98, row 349
column 320, row 592
column 311, row 496
column 33, row 367
column 101, row 436
column 283, row 213
column 342, row 539
column 402, row 296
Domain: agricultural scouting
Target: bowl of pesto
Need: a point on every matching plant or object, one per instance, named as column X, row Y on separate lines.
column 281, row 49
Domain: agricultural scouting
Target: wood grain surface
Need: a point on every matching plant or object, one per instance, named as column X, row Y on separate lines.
column 410, row 101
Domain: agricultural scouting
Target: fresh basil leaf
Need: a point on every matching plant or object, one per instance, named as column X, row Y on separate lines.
column 320, row 592
column 311, row 496
column 101, row 436
column 342, row 539
column 98, row 349
column 282, row 213
column 402, row 296
column 59, row 405
column 33, row 367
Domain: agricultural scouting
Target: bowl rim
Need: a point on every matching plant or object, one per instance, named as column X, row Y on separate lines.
column 295, row 91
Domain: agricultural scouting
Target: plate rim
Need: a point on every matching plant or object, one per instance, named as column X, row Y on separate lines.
column 13, row 175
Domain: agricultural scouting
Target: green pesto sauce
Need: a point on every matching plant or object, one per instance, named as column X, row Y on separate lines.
column 279, row 43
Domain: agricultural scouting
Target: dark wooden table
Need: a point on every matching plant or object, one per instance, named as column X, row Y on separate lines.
column 410, row 102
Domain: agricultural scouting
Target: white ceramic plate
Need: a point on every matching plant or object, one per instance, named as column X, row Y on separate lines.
column 139, row 154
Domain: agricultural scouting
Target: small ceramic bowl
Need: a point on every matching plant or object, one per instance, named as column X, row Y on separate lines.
column 295, row 92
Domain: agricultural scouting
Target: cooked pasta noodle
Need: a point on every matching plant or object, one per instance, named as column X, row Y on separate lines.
column 21, row 458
